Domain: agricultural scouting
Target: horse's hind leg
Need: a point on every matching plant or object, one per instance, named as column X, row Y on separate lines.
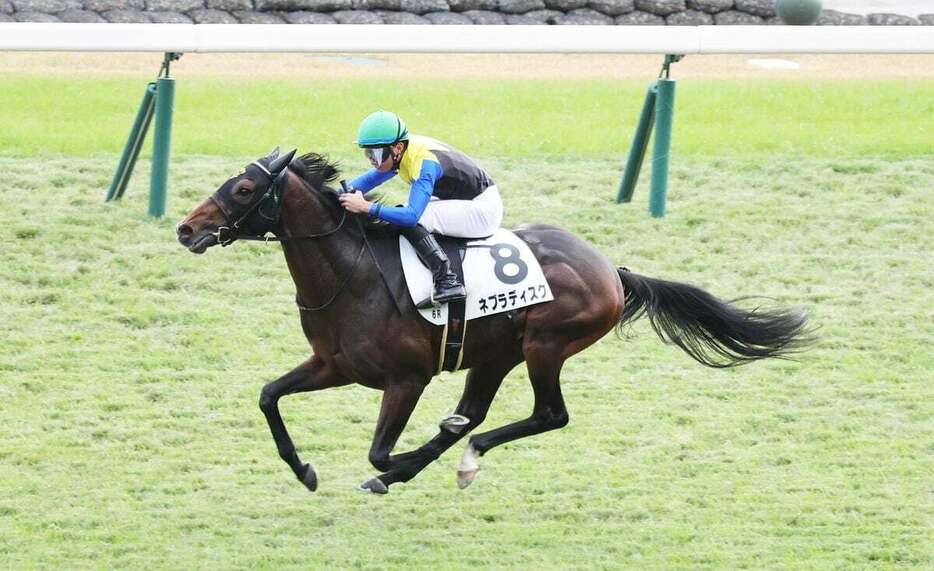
column 312, row 375
column 482, row 383
column 549, row 412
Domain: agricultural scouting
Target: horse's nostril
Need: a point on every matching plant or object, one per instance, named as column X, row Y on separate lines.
column 184, row 233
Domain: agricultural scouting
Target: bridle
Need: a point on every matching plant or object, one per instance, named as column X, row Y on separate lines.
column 228, row 234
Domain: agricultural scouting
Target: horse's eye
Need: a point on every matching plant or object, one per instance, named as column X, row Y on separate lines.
column 243, row 191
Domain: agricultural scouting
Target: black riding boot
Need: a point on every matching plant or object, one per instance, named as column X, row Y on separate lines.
column 447, row 286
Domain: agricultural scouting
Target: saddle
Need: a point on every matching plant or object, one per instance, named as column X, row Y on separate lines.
column 500, row 272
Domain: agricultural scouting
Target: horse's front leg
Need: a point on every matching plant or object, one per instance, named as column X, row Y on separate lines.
column 312, row 375
column 399, row 400
column 480, row 388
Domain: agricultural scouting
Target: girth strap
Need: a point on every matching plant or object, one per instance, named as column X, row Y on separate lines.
column 452, row 340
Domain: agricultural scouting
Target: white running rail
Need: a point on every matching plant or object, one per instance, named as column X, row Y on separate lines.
column 194, row 38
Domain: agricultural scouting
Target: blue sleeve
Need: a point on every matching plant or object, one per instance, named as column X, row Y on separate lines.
column 371, row 179
column 419, row 195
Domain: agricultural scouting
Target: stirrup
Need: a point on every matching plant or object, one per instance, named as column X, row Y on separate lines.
column 427, row 303
column 454, row 296
column 432, row 301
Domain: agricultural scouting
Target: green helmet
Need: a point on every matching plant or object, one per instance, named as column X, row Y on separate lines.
column 380, row 129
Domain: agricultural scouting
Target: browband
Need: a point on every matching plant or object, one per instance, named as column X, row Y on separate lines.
column 264, row 169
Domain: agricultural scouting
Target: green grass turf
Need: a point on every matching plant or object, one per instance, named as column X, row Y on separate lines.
column 130, row 371
column 502, row 117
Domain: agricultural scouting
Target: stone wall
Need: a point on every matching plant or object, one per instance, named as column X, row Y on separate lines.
column 560, row 12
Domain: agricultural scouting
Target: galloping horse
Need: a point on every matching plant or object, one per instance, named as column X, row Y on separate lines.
column 347, row 302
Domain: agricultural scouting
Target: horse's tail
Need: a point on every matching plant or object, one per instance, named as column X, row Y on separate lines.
column 713, row 332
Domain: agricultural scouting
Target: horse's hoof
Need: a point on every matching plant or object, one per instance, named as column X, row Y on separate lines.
column 374, row 486
column 465, row 477
column 310, row 477
column 468, row 467
column 455, row 423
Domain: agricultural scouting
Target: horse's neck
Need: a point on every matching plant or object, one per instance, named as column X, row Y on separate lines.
column 318, row 265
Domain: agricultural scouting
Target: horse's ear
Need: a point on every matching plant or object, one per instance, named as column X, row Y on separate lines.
column 273, row 154
column 280, row 163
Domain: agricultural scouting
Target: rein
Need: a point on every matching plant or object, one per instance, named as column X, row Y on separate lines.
column 225, row 236
column 340, row 287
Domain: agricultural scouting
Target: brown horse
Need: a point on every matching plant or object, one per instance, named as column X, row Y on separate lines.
column 349, row 298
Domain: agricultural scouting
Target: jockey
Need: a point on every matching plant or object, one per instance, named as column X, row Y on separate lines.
column 450, row 194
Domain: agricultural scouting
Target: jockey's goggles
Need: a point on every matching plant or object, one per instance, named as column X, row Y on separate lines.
column 376, row 155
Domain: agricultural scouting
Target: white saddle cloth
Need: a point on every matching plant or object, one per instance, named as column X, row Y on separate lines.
column 500, row 273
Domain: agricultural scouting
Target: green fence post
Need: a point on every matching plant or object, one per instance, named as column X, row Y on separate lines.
column 664, row 116
column 161, row 146
column 640, row 143
column 133, row 145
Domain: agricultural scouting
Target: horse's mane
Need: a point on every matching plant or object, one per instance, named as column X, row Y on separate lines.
column 316, row 170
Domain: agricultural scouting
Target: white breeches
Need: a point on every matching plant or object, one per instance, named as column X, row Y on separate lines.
column 477, row 218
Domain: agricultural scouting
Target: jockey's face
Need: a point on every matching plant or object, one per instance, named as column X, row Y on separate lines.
column 384, row 159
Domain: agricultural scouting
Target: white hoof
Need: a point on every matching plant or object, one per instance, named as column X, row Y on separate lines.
column 468, row 467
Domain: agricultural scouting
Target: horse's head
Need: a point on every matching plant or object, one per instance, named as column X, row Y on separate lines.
column 248, row 204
